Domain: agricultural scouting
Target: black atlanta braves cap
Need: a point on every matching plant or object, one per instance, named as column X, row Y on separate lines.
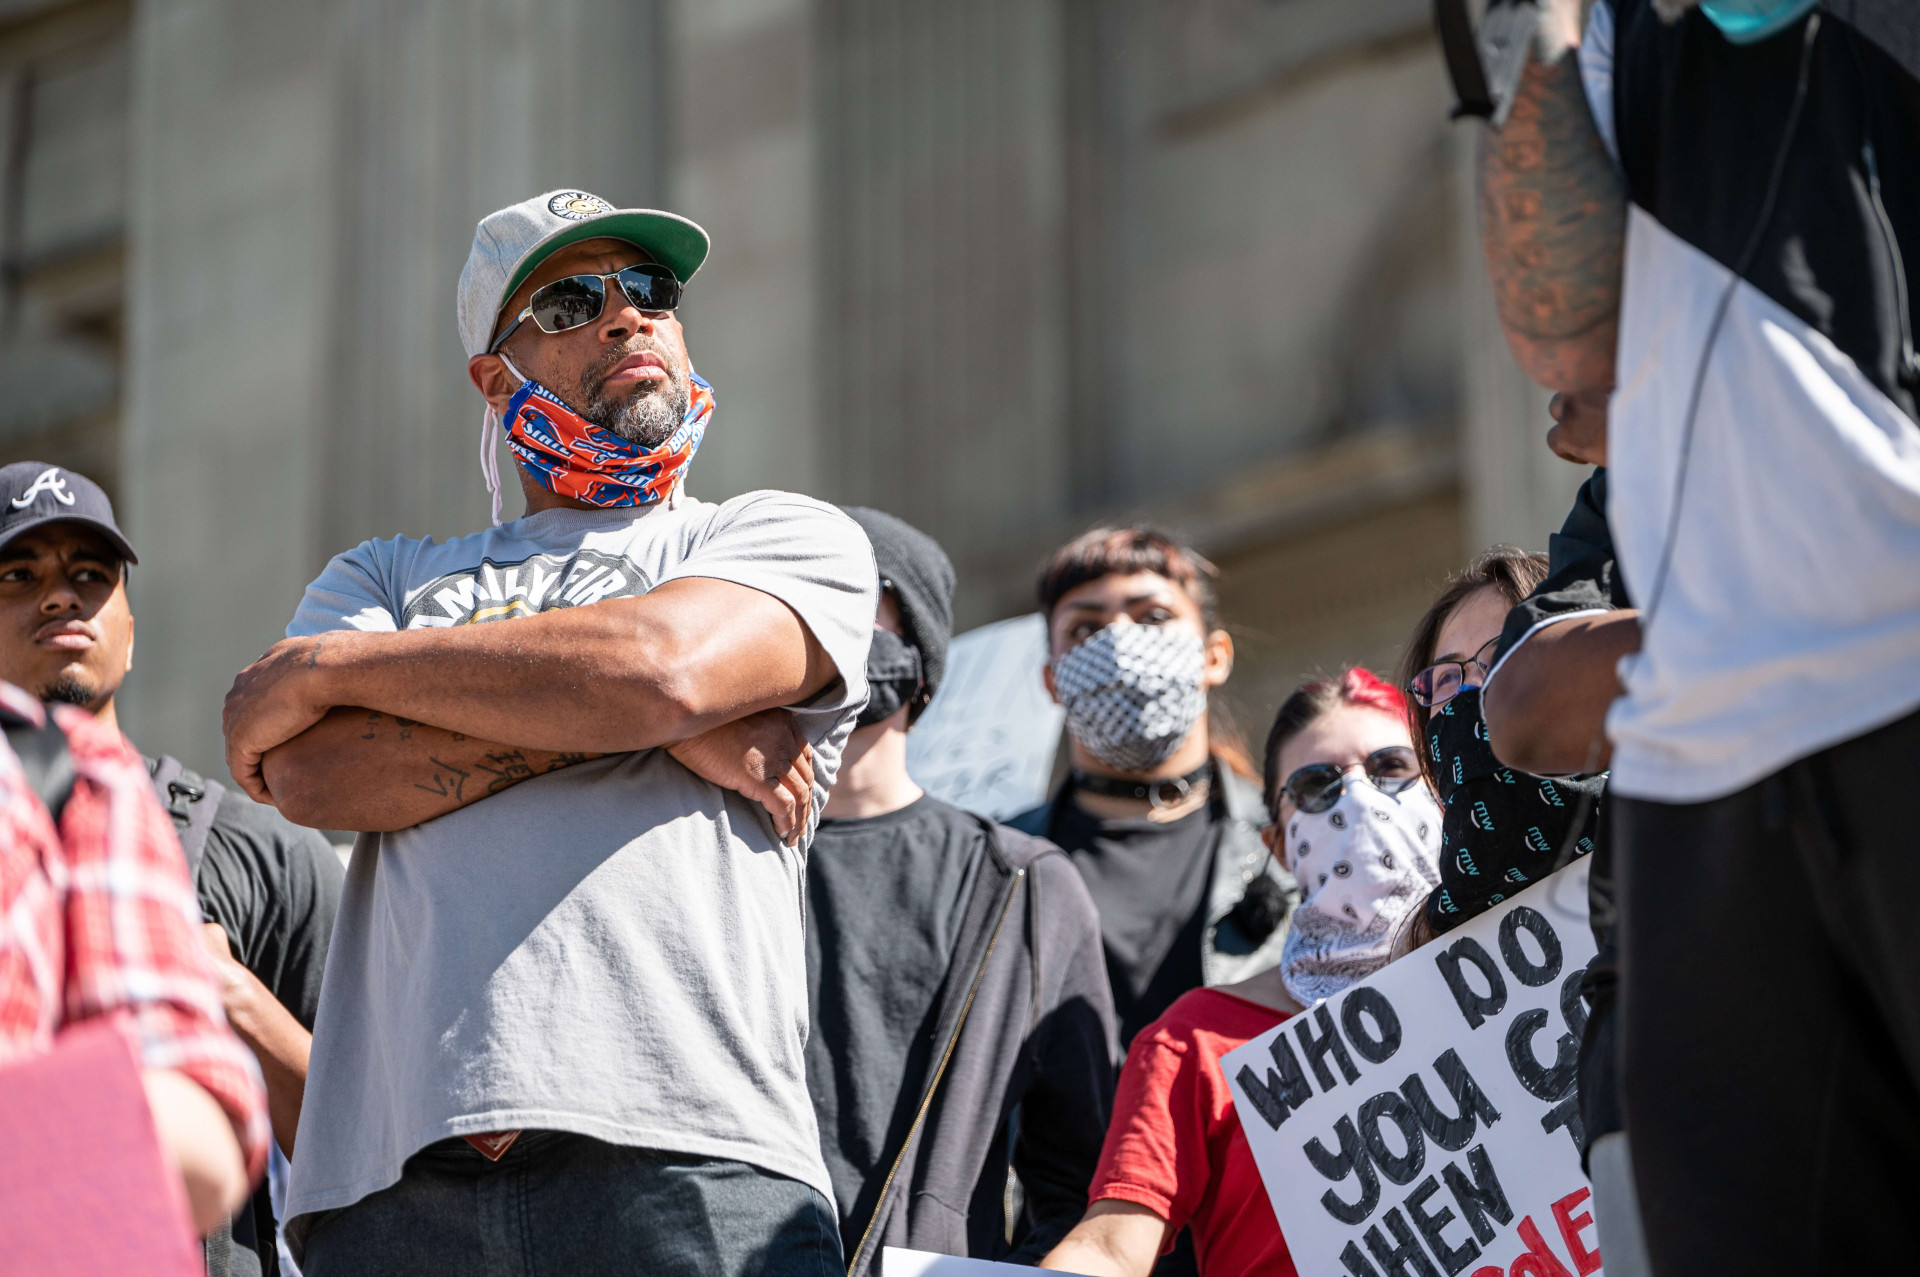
column 33, row 493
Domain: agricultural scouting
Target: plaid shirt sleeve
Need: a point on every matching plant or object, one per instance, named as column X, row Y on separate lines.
column 134, row 951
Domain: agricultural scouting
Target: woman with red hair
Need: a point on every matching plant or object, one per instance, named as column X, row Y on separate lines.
column 1357, row 825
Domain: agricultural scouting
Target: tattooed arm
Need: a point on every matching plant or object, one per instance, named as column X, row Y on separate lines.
column 624, row 674
column 1553, row 226
column 361, row 770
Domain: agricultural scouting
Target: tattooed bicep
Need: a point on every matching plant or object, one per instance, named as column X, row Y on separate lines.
column 1553, row 225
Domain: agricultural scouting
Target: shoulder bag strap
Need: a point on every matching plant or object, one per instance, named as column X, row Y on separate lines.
column 42, row 751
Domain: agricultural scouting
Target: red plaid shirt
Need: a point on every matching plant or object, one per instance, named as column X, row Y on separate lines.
column 98, row 919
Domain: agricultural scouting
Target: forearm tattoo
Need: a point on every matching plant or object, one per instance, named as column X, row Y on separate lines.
column 443, row 771
column 1553, row 225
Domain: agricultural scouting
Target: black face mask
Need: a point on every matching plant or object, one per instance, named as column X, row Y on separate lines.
column 1503, row 830
column 893, row 677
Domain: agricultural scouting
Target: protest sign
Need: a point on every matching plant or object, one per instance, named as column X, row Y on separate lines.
column 1426, row 1121
column 896, row 1262
column 84, row 1186
column 987, row 742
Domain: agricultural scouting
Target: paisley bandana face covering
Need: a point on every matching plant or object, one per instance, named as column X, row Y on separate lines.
column 572, row 457
column 1364, row 864
column 1133, row 692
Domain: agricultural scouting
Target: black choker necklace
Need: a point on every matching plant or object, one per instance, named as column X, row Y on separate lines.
column 1160, row 793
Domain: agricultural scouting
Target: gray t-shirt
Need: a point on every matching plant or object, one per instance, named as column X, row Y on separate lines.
column 615, row 949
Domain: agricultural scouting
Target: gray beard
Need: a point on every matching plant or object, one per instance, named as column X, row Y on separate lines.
column 1673, row 10
column 648, row 420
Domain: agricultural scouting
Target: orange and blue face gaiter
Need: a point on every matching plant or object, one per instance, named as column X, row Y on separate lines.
column 572, row 457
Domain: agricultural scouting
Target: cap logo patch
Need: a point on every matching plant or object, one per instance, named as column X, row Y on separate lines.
column 577, row 206
column 50, row 480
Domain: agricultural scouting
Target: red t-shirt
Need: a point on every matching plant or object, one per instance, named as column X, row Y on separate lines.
column 1175, row 1144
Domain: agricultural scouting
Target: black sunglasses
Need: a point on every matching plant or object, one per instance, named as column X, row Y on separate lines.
column 577, row 300
column 1318, row 786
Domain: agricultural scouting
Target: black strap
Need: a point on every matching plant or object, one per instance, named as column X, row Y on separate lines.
column 1161, row 793
column 42, row 751
column 217, row 1247
column 1463, row 59
column 1486, row 65
column 191, row 800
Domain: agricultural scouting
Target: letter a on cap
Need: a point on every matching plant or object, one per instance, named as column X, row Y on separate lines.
column 50, row 480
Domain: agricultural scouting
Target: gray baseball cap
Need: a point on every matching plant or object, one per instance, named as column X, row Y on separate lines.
column 510, row 244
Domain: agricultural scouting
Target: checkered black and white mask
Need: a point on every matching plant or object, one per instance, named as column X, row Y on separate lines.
column 1133, row 692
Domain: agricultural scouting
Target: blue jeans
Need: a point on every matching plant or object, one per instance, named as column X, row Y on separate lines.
column 559, row 1203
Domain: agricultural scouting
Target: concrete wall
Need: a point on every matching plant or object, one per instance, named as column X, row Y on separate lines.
column 305, row 181
column 745, row 167
column 1004, row 266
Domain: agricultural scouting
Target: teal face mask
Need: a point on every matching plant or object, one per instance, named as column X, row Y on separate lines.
column 1745, row 21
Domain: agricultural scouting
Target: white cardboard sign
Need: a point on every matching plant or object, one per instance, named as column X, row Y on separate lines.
column 896, row 1262
column 986, row 743
column 1423, row 1123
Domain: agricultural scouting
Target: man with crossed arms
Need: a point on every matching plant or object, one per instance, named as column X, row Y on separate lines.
column 567, row 1021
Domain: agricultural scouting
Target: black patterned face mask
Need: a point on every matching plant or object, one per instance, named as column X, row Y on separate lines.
column 1503, row 829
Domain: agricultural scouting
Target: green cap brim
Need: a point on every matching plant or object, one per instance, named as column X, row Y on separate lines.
column 674, row 242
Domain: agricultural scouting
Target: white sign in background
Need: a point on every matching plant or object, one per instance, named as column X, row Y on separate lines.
column 986, row 743
column 896, row 1262
column 1424, row 1121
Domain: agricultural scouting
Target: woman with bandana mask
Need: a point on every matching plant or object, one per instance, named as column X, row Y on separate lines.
column 1352, row 816
column 1159, row 809
column 1504, row 829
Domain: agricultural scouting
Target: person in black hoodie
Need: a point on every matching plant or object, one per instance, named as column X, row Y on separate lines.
column 961, row 1019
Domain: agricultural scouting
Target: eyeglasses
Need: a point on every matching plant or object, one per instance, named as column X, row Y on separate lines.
column 1437, row 684
column 577, row 300
column 1318, row 786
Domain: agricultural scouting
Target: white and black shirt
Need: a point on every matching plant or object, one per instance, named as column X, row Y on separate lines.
column 1790, row 619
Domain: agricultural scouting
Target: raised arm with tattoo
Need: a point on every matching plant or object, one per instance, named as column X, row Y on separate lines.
column 1553, row 224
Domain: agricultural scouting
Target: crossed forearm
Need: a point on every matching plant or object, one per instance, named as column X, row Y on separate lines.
column 1553, row 225
column 363, row 770
column 611, row 677
column 621, row 675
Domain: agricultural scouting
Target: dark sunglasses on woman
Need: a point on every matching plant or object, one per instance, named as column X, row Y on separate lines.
column 1318, row 786
column 1437, row 684
column 577, row 300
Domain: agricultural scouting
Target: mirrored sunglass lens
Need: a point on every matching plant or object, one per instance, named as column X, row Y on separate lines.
column 1315, row 788
column 650, row 289
column 568, row 303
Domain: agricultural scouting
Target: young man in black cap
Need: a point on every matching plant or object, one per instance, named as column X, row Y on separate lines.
column 961, row 1016
column 267, row 888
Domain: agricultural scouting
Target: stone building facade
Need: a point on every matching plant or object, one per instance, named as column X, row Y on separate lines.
column 1007, row 267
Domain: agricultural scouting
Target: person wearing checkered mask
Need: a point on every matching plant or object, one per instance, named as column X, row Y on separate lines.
column 1160, row 809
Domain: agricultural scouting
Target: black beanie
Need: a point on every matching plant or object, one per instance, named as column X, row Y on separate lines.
column 921, row 576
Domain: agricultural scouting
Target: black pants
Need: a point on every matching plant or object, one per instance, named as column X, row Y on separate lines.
column 571, row 1206
column 1770, row 1016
